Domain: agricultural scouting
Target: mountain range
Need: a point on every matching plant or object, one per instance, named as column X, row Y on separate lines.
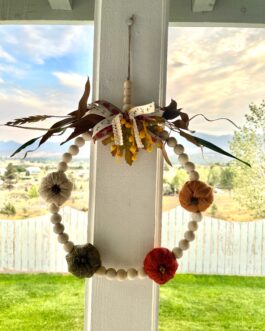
column 53, row 149
column 47, row 150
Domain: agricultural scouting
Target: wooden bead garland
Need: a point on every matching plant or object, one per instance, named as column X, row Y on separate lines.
column 131, row 273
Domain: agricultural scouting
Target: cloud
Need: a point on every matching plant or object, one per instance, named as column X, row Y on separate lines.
column 44, row 42
column 17, row 103
column 6, row 56
column 223, row 73
column 71, row 79
column 1, row 80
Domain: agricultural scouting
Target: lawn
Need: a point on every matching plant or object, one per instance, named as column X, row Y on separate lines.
column 188, row 303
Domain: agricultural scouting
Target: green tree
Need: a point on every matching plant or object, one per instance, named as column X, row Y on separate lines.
column 10, row 172
column 214, row 175
column 249, row 145
column 227, row 178
column 33, row 192
column 9, row 176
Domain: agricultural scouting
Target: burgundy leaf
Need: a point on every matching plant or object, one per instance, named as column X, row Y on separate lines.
column 181, row 124
column 184, row 117
column 83, row 125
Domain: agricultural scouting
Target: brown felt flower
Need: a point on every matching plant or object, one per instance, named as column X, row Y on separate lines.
column 196, row 196
column 83, row 260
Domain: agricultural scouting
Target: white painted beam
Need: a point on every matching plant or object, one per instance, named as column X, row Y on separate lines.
column 125, row 202
column 61, row 4
column 238, row 13
column 203, row 5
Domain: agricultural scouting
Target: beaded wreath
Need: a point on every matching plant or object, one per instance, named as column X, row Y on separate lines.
column 126, row 131
column 160, row 264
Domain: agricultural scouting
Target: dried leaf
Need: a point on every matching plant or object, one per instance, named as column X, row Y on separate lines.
column 83, row 125
column 62, row 123
column 184, row 117
column 30, row 119
column 171, row 111
column 128, row 157
column 107, row 140
column 48, row 135
column 189, row 137
column 181, row 124
column 217, row 149
column 82, row 106
column 28, row 143
column 165, row 155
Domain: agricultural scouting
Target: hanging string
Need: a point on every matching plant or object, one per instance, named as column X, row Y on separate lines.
column 130, row 23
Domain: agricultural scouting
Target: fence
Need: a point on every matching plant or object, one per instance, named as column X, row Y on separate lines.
column 220, row 247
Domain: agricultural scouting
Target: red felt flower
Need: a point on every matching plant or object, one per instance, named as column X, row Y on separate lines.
column 160, row 265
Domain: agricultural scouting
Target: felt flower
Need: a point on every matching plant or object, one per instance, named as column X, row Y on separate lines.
column 83, row 261
column 160, row 265
column 196, row 196
column 55, row 188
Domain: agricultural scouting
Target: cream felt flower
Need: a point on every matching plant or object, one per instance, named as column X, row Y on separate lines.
column 55, row 188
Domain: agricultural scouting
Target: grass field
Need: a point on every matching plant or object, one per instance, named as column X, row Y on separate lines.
column 188, row 303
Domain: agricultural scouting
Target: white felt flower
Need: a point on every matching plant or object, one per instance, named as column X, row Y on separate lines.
column 56, row 188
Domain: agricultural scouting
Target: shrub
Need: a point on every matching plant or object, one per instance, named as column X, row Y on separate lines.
column 8, row 209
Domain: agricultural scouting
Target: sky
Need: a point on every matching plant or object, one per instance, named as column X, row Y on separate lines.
column 214, row 71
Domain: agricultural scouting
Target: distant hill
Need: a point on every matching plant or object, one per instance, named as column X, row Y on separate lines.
column 53, row 149
column 208, row 156
column 48, row 150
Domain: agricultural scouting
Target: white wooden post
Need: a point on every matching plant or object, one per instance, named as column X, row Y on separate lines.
column 125, row 202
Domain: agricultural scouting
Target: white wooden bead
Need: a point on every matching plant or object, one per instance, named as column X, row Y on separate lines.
column 197, row 217
column 58, row 228
column 194, row 175
column 171, row 142
column 121, row 274
column 178, row 252
column 111, row 273
column 126, row 100
column 127, row 84
column 184, row 244
column 132, row 273
column 79, row 141
column 178, row 149
column 56, row 218
column 189, row 235
column 164, row 135
column 127, row 92
column 63, row 238
column 73, row 149
column 101, row 271
column 68, row 247
column 53, row 208
column 193, row 225
column 141, row 273
column 67, row 157
column 87, row 136
column 62, row 166
column 183, row 158
column 126, row 107
column 189, row 166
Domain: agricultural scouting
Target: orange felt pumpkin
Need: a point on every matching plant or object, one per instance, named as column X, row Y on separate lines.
column 196, row 196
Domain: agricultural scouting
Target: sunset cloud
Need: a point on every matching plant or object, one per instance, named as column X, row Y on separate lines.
column 216, row 71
